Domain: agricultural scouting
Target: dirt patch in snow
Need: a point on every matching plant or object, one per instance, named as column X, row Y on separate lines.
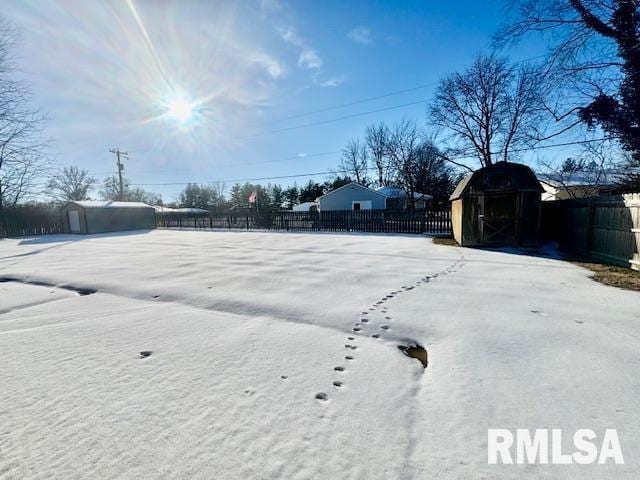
column 416, row 351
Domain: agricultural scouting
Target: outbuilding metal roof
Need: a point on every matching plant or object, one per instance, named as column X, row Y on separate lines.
column 109, row 204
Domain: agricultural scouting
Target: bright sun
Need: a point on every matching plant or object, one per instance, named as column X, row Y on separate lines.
column 180, row 110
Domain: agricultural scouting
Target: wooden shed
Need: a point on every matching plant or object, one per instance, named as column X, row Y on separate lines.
column 497, row 205
column 90, row 216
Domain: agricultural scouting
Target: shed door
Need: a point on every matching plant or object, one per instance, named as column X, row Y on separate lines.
column 74, row 221
column 498, row 220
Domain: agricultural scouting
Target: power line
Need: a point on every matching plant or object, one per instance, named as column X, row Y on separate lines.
column 300, row 156
column 581, row 142
column 324, row 122
column 350, row 104
column 371, row 99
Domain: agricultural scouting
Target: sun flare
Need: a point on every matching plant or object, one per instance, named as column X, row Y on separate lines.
column 180, row 110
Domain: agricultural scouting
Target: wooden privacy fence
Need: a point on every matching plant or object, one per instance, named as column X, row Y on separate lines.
column 14, row 224
column 605, row 229
column 431, row 221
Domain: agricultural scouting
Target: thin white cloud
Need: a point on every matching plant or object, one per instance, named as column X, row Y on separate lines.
column 331, row 82
column 272, row 66
column 361, row 35
column 308, row 58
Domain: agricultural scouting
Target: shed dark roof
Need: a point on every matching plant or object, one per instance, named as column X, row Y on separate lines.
column 503, row 176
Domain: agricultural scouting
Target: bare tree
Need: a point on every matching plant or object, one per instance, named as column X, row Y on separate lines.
column 402, row 146
column 110, row 190
column 355, row 162
column 431, row 173
column 584, row 175
column 488, row 110
column 22, row 160
column 376, row 139
column 70, row 183
column 593, row 56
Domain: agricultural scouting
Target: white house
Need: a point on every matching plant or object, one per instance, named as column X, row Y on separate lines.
column 354, row 196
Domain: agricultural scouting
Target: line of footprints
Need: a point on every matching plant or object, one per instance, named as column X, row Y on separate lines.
column 366, row 324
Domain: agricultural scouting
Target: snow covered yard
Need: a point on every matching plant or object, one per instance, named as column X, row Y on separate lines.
column 247, row 329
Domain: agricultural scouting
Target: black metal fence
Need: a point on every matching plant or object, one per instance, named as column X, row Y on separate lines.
column 19, row 224
column 431, row 221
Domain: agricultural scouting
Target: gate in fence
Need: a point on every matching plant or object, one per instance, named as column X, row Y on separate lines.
column 430, row 221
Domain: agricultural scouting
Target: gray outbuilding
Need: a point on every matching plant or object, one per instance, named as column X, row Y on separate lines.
column 92, row 216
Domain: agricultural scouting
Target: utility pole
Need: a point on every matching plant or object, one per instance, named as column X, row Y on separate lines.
column 120, row 169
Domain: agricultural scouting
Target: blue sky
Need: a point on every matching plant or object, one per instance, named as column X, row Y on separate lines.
column 106, row 73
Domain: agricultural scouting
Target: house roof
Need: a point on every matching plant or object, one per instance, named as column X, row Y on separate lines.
column 395, row 192
column 304, row 206
column 580, row 179
column 109, row 204
column 350, row 184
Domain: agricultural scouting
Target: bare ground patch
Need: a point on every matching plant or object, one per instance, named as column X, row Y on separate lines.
column 613, row 276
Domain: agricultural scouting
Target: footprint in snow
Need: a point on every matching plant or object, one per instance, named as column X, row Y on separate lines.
column 376, row 335
column 337, row 383
column 384, row 327
column 348, row 357
column 321, row 396
column 339, row 369
column 145, row 354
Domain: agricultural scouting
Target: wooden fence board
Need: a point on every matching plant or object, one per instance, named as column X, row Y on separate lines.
column 605, row 228
column 20, row 225
column 437, row 222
